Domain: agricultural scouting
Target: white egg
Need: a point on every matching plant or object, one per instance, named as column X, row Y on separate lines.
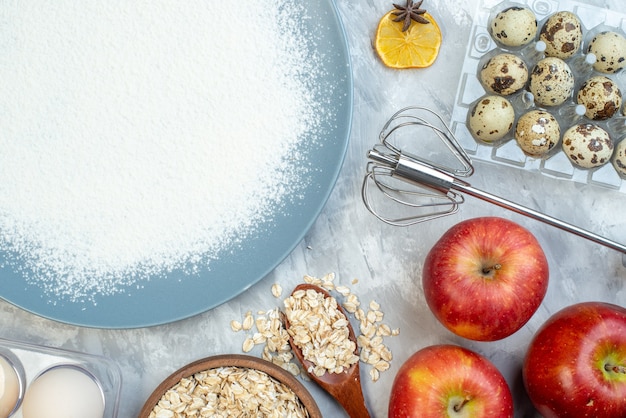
column 610, row 51
column 551, row 81
column 63, row 392
column 504, row 74
column 562, row 34
column 514, row 26
column 10, row 388
column 491, row 118
column 601, row 97
column 587, row 145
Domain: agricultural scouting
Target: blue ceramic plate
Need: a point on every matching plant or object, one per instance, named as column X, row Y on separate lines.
column 180, row 296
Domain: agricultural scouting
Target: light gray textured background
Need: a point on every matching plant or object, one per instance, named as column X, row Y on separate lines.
column 387, row 261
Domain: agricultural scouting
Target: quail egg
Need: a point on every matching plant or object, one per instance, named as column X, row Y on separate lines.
column 587, row 145
column 504, row 74
column 610, row 51
column 601, row 97
column 551, row 81
column 563, row 35
column 537, row 132
column 619, row 159
column 514, row 26
column 491, row 118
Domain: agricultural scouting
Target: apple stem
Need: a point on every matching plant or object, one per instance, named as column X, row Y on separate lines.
column 459, row 406
column 615, row 368
column 487, row 270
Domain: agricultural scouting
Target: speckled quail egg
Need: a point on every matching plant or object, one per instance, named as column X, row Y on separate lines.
column 491, row 118
column 601, row 97
column 619, row 159
column 537, row 132
column 587, row 145
column 563, row 35
column 504, row 74
column 551, row 81
column 514, row 26
column 610, row 51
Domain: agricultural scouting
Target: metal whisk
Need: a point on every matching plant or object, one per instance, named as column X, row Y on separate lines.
column 435, row 186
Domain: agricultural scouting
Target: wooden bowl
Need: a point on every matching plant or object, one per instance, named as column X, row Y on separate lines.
column 236, row 360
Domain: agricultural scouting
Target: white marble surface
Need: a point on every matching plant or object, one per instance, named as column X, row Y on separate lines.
column 387, row 261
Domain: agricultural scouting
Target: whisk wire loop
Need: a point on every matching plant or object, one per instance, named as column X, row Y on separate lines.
column 416, row 116
column 435, row 204
column 424, row 186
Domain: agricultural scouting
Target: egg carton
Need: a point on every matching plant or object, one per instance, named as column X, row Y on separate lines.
column 25, row 364
column 482, row 46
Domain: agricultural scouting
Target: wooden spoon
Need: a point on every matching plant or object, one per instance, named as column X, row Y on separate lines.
column 344, row 387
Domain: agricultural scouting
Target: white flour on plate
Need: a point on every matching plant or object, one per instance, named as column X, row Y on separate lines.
column 139, row 137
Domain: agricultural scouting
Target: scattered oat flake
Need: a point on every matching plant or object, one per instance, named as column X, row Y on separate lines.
column 248, row 322
column 235, row 325
column 342, row 290
column 248, row 345
column 277, row 290
column 384, row 330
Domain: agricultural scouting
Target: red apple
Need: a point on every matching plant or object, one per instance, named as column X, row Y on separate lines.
column 576, row 363
column 449, row 381
column 485, row 278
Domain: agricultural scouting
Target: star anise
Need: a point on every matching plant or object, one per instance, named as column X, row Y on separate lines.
column 410, row 12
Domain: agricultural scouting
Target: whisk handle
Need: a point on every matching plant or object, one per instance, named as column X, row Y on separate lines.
column 523, row 210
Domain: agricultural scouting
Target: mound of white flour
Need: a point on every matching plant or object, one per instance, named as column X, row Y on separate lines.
column 138, row 137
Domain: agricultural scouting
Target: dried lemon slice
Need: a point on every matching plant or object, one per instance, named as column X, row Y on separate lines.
column 417, row 47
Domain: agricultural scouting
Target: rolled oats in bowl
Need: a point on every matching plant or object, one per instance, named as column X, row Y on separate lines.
column 230, row 386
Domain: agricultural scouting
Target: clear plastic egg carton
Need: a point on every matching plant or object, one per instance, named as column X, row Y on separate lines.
column 506, row 151
column 25, row 364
